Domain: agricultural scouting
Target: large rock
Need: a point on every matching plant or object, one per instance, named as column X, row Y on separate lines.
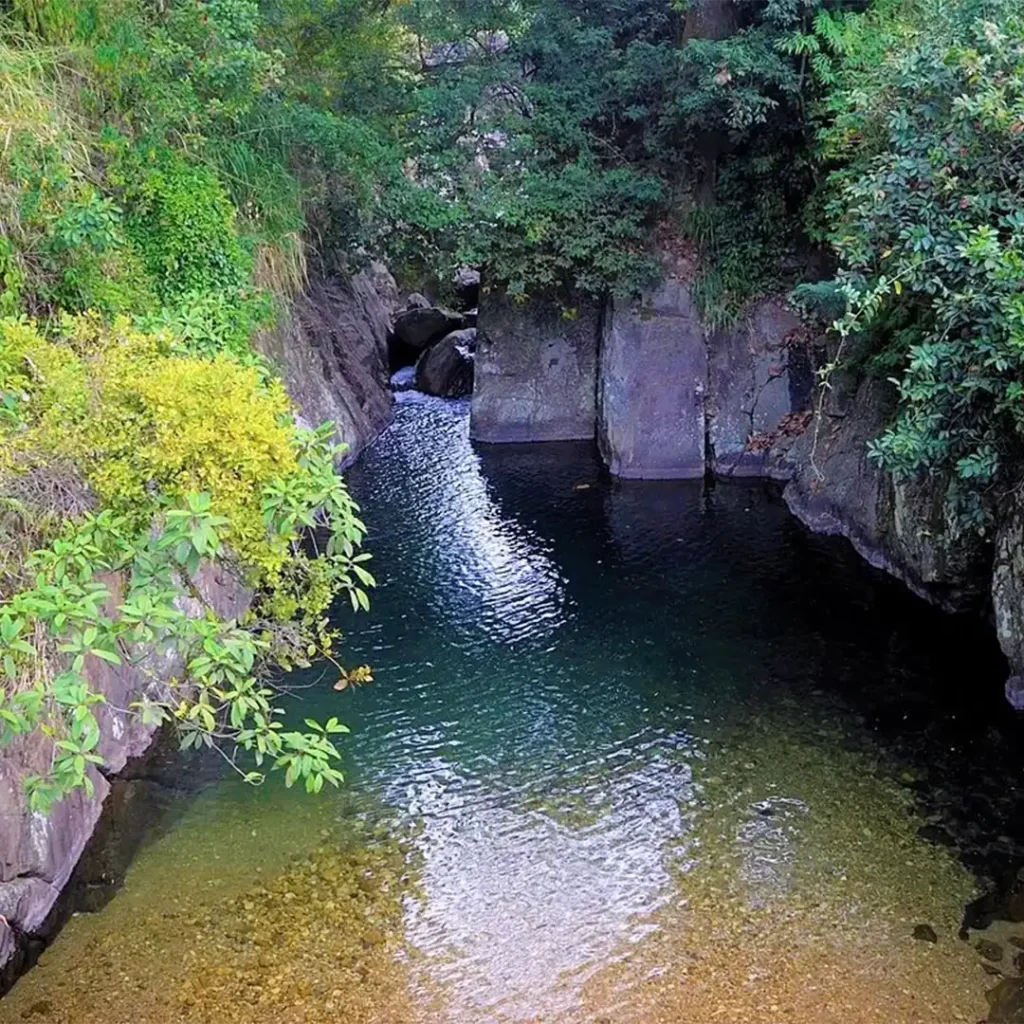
column 466, row 283
column 536, row 370
column 331, row 350
column 652, row 386
column 446, row 369
column 759, row 372
column 38, row 853
column 1008, row 597
column 420, row 326
column 903, row 527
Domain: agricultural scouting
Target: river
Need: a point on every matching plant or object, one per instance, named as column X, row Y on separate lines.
column 633, row 752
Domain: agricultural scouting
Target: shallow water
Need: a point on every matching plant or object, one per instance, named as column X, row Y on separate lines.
column 633, row 752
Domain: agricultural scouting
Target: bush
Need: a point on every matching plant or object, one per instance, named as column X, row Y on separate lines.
column 187, row 459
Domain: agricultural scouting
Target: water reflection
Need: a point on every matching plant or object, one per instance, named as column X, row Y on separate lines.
column 498, row 577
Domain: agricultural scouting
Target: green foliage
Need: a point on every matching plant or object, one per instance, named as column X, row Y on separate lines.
column 925, row 214
column 181, row 222
column 147, row 429
column 563, row 133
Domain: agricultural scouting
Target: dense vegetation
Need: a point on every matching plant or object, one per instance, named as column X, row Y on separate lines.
column 173, row 170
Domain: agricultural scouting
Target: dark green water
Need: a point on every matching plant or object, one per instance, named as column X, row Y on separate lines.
column 657, row 752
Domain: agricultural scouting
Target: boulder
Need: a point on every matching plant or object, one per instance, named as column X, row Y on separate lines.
column 404, row 379
column 759, row 373
column 421, row 326
column 331, row 349
column 536, row 368
column 446, row 369
column 465, row 337
column 467, row 287
column 417, row 301
column 1006, row 1002
column 651, row 386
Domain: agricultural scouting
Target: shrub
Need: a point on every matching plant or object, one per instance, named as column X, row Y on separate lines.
column 188, row 459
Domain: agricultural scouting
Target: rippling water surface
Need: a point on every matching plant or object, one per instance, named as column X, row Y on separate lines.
column 635, row 752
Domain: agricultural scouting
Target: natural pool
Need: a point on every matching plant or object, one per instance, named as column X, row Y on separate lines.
column 638, row 752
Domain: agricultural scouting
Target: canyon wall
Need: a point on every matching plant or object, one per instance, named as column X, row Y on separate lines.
column 38, row 852
column 331, row 350
column 535, row 370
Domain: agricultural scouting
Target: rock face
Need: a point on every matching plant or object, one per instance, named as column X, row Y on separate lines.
column 331, row 351
column 652, row 387
column 1008, row 598
column 758, row 373
column 37, row 853
column 446, row 369
column 899, row 526
column 672, row 400
column 536, row 371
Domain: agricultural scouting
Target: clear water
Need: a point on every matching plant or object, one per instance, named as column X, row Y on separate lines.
column 653, row 751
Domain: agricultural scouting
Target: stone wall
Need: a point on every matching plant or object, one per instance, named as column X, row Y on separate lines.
column 38, row 853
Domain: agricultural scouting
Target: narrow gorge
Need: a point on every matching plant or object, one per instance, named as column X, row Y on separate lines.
column 511, row 511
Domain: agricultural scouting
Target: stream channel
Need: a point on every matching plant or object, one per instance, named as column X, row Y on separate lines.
column 633, row 753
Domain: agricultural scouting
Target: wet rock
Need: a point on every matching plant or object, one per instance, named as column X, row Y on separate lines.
column 1018, row 963
column 466, row 338
column 925, row 933
column 1015, row 905
column 990, row 950
column 1016, row 940
column 981, row 912
column 423, row 325
column 901, row 526
column 1006, row 1002
column 404, row 379
column 446, row 369
column 1014, row 691
column 992, row 970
